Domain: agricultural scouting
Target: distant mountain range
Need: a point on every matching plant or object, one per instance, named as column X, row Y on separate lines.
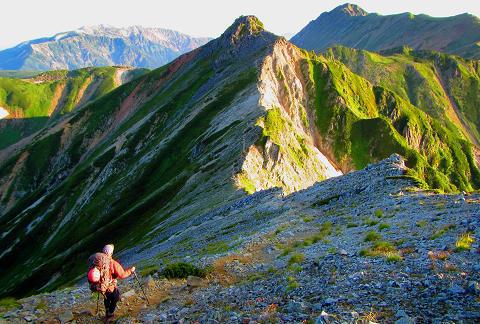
column 351, row 26
column 100, row 46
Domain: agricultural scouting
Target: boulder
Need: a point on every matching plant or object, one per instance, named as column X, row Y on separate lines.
column 128, row 294
column 66, row 316
column 473, row 288
column 194, row 282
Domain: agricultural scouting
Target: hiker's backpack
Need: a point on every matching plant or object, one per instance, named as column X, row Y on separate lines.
column 101, row 261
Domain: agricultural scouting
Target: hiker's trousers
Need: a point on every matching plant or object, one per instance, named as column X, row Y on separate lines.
column 111, row 301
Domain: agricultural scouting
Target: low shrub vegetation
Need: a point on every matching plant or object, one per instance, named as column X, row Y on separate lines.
column 149, row 270
column 464, row 242
column 292, row 283
column 9, row 303
column 372, row 236
column 296, row 258
column 383, row 226
column 371, row 222
column 182, row 270
column 442, row 231
column 378, row 213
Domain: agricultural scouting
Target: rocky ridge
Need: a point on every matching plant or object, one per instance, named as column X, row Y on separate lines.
column 308, row 256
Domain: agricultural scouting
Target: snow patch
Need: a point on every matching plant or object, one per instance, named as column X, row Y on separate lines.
column 3, row 113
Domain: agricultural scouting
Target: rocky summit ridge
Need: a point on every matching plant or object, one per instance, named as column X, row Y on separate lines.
column 366, row 246
column 350, row 10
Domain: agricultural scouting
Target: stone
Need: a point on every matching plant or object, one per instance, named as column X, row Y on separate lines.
column 343, row 252
column 456, row 289
column 128, row 294
column 330, row 301
column 125, row 320
column 65, row 317
column 295, row 307
column 394, row 284
column 150, row 283
column 323, row 318
column 400, row 313
column 473, row 288
column 405, row 320
column 194, row 282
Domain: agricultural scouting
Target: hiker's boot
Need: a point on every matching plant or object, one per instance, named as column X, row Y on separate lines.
column 109, row 317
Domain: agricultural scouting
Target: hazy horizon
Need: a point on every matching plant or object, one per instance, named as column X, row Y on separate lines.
column 207, row 19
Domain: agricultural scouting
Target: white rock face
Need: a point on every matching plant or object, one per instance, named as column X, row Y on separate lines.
column 3, row 113
column 288, row 157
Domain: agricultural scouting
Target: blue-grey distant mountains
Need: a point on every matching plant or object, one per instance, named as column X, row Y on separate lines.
column 100, row 46
column 350, row 25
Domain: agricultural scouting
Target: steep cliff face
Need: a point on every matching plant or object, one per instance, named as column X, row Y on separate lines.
column 286, row 154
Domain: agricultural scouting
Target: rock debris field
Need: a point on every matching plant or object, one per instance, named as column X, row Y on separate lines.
column 369, row 246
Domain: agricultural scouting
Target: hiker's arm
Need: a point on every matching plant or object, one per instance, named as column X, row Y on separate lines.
column 120, row 272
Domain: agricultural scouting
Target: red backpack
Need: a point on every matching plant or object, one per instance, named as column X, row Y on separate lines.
column 101, row 261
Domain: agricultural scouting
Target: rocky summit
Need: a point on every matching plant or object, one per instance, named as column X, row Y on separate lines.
column 366, row 246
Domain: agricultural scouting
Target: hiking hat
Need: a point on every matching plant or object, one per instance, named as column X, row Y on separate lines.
column 108, row 249
column 94, row 275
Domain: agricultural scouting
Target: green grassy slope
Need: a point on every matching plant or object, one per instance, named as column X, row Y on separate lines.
column 444, row 86
column 370, row 124
column 31, row 103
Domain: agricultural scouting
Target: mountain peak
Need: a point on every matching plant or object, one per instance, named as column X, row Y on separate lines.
column 243, row 26
column 350, row 10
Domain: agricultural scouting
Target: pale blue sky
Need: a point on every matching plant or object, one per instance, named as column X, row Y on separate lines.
column 27, row 19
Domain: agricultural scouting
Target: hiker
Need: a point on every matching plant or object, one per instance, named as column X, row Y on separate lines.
column 102, row 276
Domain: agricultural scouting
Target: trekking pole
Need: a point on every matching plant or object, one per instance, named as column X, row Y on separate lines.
column 148, row 302
column 98, row 297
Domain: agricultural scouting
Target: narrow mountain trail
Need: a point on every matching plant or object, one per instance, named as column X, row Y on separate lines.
column 398, row 259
